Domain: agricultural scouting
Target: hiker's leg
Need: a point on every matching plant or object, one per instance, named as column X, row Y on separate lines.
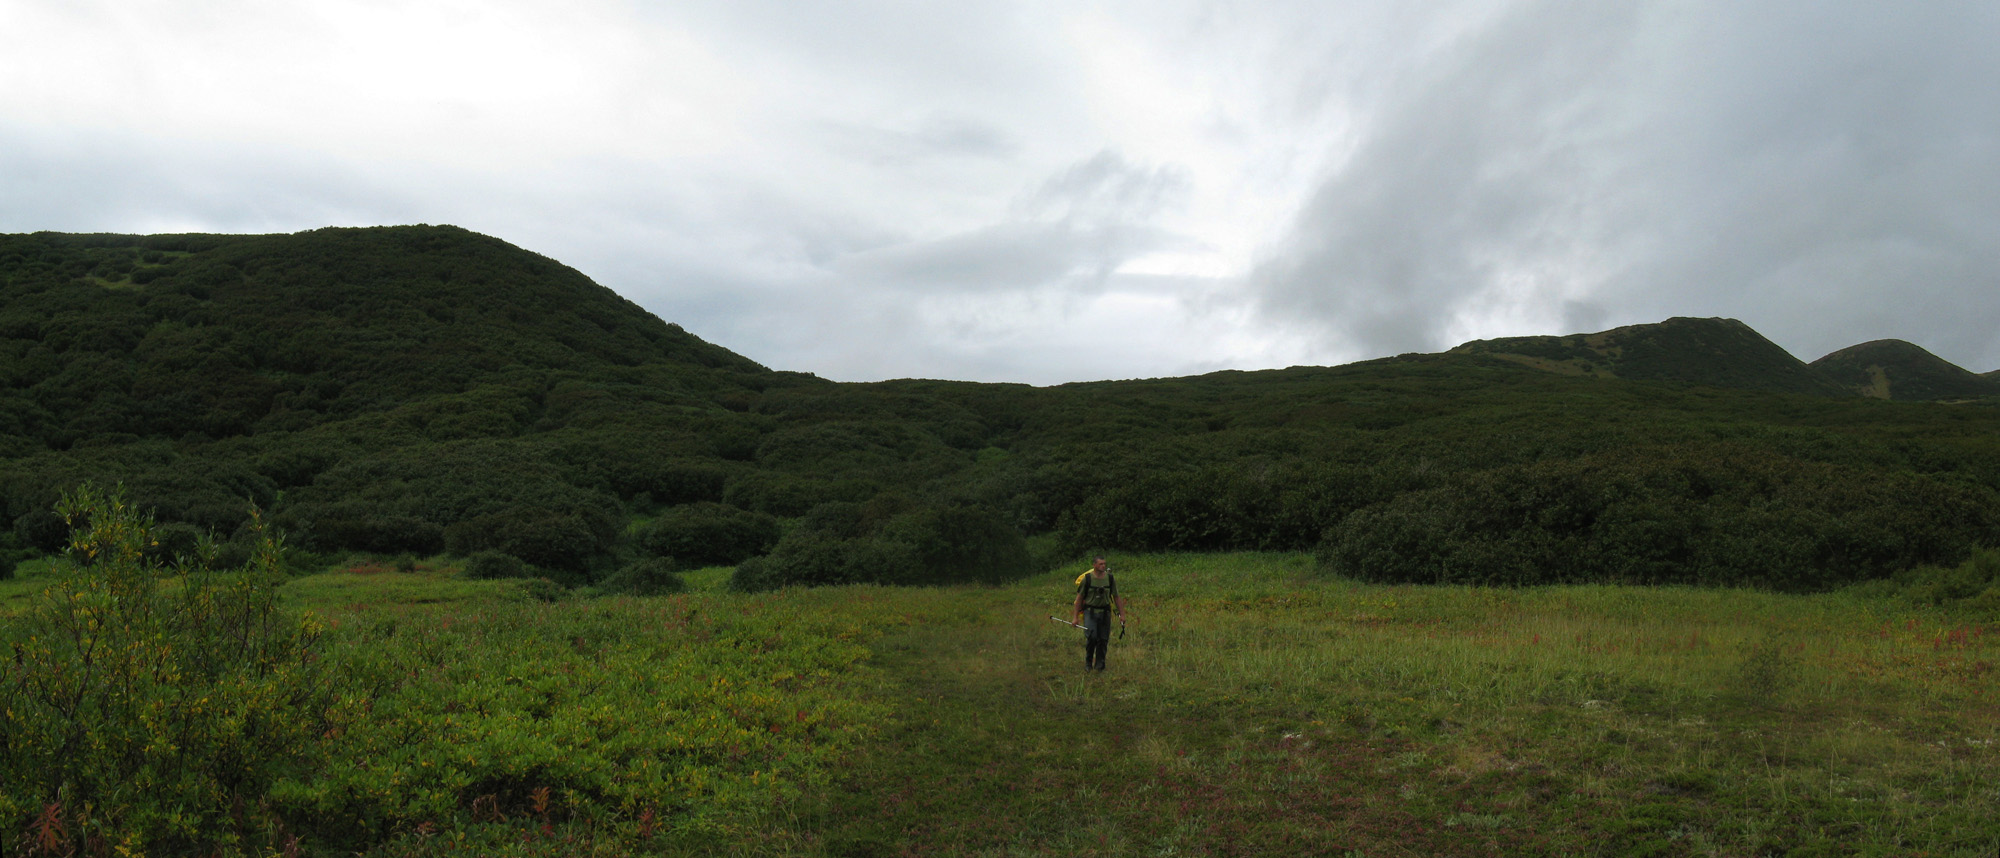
column 1099, row 625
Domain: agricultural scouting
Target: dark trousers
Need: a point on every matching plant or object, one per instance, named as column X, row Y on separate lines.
column 1096, row 636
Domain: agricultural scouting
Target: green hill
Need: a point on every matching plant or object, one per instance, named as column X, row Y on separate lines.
column 231, row 335
column 426, row 390
column 1894, row 369
column 1718, row 352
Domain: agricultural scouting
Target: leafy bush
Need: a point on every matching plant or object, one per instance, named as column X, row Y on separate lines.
column 42, row 530
column 543, row 590
column 1715, row 516
column 1972, row 587
column 960, row 543
column 814, row 558
column 866, row 543
column 356, row 527
column 782, row 494
column 548, row 539
column 151, row 705
column 652, row 576
column 710, row 534
column 488, row 565
column 177, row 543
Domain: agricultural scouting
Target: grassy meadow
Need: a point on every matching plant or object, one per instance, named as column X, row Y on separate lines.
column 1250, row 709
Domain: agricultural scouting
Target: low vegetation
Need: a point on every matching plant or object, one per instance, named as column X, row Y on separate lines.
column 1253, row 707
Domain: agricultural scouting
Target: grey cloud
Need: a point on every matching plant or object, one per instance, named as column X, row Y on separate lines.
column 1071, row 231
column 109, row 181
column 1825, row 172
column 1106, row 188
column 1475, row 178
column 1010, row 256
column 935, row 137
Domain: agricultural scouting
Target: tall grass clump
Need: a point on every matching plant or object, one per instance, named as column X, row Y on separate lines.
column 149, row 699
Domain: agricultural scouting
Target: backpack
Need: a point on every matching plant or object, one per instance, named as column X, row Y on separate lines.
column 1095, row 596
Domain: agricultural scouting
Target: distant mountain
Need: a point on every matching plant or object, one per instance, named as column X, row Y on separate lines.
column 1716, row 352
column 161, row 336
column 1894, row 369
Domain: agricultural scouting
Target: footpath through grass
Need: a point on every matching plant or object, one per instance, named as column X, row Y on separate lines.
column 1249, row 711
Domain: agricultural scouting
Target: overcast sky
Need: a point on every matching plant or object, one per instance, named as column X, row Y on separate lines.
column 1060, row 191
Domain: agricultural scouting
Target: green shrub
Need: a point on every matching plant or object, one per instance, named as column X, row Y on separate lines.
column 150, row 705
column 1723, row 516
column 178, row 543
column 652, row 576
column 488, row 565
column 710, row 534
column 956, row 543
column 355, row 527
column 881, row 542
column 1972, row 587
column 815, row 558
column 543, row 590
column 42, row 530
column 553, row 540
column 784, row 495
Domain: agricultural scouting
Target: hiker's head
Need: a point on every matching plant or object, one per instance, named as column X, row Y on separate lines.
column 1097, row 564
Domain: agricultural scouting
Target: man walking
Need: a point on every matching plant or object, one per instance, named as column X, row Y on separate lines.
column 1096, row 597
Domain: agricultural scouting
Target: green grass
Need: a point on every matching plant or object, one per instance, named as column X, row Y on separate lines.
column 1250, row 709
column 360, row 588
column 710, row 580
column 1250, row 712
column 30, row 577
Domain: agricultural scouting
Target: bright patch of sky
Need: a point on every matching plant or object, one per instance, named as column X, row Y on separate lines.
column 1049, row 192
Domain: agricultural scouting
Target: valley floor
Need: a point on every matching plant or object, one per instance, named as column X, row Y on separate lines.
column 1250, row 709
column 1251, row 712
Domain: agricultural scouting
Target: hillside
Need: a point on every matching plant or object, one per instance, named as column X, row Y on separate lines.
column 1718, row 352
column 385, row 382
column 425, row 390
column 1894, row 369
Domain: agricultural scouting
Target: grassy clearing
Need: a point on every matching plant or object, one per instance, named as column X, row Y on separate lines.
column 1250, row 710
column 30, row 578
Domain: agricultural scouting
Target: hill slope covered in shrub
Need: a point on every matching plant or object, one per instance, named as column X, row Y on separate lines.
column 425, row 389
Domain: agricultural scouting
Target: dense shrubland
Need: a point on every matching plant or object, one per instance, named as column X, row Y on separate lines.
column 421, row 390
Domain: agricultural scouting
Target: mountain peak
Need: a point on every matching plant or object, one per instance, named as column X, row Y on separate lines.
column 1901, row 370
column 1712, row 351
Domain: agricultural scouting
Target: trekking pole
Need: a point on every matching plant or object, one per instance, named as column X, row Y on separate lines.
column 1067, row 623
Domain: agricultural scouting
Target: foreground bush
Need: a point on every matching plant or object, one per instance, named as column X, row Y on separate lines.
column 150, row 701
